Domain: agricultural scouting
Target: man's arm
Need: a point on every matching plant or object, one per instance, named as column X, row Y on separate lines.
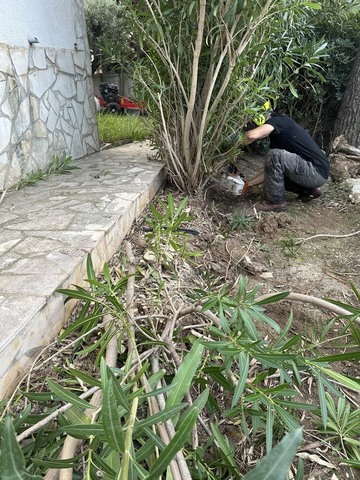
column 258, row 133
column 257, row 180
column 250, row 137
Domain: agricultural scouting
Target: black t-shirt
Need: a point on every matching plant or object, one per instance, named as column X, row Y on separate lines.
column 288, row 135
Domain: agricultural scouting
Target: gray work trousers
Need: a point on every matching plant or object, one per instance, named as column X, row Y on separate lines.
column 284, row 169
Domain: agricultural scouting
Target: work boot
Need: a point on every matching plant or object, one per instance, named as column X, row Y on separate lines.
column 272, row 207
column 311, row 195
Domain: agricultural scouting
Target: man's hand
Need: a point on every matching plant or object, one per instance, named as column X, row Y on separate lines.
column 245, row 187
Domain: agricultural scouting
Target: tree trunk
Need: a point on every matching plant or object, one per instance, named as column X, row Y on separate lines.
column 348, row 119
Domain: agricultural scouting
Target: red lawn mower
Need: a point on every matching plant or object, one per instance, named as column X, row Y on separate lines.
column 110, row 101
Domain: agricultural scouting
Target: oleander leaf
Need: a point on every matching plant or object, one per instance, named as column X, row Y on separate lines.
column 276, row 464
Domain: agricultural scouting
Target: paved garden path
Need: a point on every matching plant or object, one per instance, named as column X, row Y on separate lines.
column 46, row 233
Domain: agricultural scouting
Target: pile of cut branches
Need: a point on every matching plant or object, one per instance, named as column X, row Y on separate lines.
column 191, row 384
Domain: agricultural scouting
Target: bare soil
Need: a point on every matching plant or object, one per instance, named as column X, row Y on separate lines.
column 265, row 251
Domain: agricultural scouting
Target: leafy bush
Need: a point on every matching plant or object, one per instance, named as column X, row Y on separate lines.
column 109, row 34
column 207, row 67
column 318, row 97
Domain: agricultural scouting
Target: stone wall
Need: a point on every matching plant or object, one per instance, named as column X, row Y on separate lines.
column 46, row 104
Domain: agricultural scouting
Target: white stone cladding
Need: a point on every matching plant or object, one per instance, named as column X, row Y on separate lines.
column 46, row 92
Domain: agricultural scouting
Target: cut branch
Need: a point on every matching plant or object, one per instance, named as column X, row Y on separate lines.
column 317, row 302
column 303, row 240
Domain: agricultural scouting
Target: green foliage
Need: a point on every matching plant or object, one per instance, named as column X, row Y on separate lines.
column 167, row 235
column 115, row 129
column 318, row 99
column 100, row 299
column 351, row 326
column 122, row 427
column 58, row 165
column 109, row 34
column 277, row 463
column 343, row 427
column 12, row 461
column 298, row 54
column 289, row 247
column 241, row 221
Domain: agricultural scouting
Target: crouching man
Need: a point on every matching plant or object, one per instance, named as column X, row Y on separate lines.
column 294, row 163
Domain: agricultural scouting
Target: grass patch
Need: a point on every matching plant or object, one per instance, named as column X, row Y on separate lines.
column 116, row 128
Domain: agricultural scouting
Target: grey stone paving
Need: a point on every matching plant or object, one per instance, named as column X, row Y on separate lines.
column 46, row 233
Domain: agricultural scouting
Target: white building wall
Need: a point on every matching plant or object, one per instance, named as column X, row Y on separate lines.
column 46, row 92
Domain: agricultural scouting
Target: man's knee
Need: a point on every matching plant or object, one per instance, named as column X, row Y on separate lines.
column 273, row 160
column 275, row 152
